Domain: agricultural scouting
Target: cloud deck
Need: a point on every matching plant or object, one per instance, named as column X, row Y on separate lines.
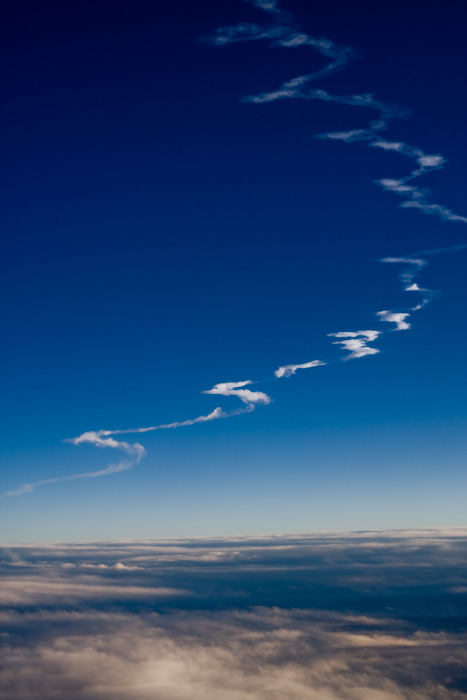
column 355, row 616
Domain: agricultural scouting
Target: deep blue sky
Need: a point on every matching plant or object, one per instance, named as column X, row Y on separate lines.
column 162, row 236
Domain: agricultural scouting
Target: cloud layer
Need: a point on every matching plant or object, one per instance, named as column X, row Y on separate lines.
column 357, row 616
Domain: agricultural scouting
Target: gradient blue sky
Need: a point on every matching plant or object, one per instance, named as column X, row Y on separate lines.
column 163, row 236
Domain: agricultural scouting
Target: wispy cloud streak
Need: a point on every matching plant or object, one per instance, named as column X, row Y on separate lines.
column 135, row 451
column 102, row 439
column 283, row 33
column 413, row 266
column 96, row 437
column 217, row 413
column 121, row 466
column 289, row 370
column 247, row 396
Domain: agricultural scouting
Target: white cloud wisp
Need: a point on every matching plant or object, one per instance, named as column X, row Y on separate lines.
column 248, row 397
column 282, row 33
column 289, row 370
column 135, row 451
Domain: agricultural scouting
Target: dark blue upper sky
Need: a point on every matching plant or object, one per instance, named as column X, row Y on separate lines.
column 162, row 236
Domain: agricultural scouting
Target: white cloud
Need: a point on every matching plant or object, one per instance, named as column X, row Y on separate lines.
column 26, row 488
column 235, row 389
column 96, row 437
column 231, row 655
column 397, row 318
column 418, row 198
column 350, row 135
column 289, row 370
column 280, row 94
column 388, row 145
column 356, row 342
column 37, row 590
column 103, row 438
column 369, row 335
column 425, row 162
column 285, row 35
column 431, row 161
column 119, row 566
column 408, row 261
column 121, row 466
column 295, row 40
column 414, row 267
column 425, row 207
column 398, row 186
column 245, row 31
column 217, row 413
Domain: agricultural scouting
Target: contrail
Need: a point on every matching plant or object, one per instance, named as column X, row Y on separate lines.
column 282, row 32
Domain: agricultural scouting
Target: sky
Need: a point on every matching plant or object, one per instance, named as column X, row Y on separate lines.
column 200, row 200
